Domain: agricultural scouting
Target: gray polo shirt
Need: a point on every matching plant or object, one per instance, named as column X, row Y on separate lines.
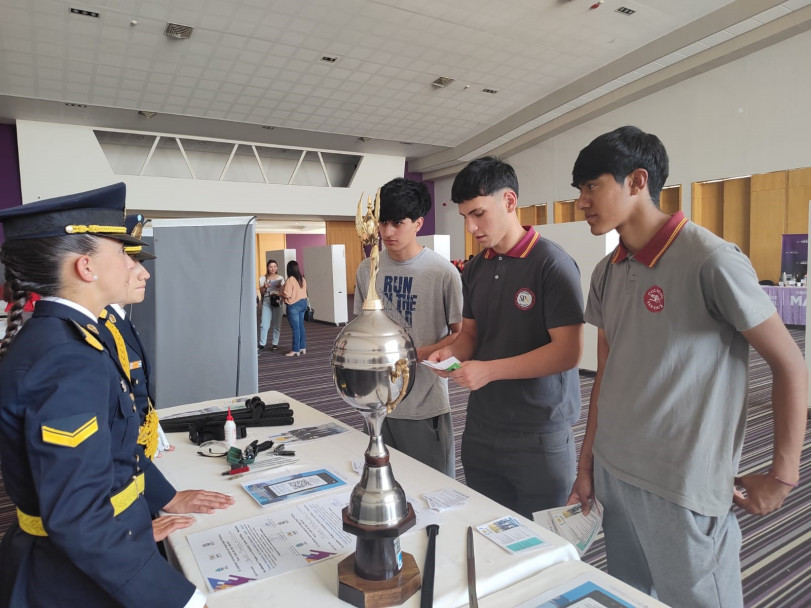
column 672, row 404
column 515, row 299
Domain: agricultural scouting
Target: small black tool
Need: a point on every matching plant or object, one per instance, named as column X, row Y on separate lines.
column 427, row 593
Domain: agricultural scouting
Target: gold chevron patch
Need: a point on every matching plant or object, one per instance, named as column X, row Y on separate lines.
column 70, row 439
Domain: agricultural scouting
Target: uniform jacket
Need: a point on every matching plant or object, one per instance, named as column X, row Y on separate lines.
column 68, row 428
column 158, row 491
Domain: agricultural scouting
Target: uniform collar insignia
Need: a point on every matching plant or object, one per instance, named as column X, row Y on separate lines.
column 93, row 328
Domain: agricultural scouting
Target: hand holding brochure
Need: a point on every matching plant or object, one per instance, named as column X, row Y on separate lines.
column 570, row 523
column 448, row 365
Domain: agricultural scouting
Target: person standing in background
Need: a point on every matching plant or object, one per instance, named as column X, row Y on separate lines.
column 294, row 294
column 422, row 292
column 270, row 288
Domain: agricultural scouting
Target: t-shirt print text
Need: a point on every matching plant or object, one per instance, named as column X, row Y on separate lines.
column 397, row 290
column 655, row 299
column 524, row 299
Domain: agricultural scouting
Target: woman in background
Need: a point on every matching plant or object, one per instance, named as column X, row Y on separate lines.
column 294, row 294
column 270, row 286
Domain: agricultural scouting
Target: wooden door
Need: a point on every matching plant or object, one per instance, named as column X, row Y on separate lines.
column 344, row 233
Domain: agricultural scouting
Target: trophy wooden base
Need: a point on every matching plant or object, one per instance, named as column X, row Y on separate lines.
column 365, row 593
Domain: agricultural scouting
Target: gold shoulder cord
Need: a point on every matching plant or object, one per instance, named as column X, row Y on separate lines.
column 148, row 435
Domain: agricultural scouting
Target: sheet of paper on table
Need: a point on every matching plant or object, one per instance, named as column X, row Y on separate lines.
column 446, row 498
column 268, row 491
column 511, row 535
column 582, row 592
column 279, row 541
column 570, row 523
column 309, row 433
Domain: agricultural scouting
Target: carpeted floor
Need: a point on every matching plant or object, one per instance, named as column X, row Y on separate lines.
column 776, row 554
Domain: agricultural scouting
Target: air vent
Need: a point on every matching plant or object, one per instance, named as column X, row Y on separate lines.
column 84, row 13
column 76, row 105
column 624, row 10
column 442, row 82
column 329, row 58
column 175, row 30
column 491, row 91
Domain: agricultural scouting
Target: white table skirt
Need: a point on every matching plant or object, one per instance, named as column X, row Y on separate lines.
column 316, row 586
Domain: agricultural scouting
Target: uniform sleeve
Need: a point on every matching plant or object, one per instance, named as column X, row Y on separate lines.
column 563, row 295
column 731, row 290
column 594, row 307
column 70, row 446
column 453, row 296
column 157, row 489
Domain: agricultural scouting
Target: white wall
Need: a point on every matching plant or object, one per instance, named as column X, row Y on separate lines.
column 749, row 116
column 56, row 159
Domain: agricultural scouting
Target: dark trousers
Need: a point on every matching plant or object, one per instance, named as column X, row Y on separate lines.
column 523, row 471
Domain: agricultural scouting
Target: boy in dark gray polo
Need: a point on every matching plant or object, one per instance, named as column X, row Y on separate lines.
column 676, row 309
column 521, row 340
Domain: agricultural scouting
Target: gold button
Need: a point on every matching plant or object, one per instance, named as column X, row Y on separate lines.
column 132, row 396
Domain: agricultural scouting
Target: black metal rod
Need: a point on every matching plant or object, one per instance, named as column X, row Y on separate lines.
column 427, row 594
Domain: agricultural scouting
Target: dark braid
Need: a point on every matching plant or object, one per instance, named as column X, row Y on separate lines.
column 35, row 265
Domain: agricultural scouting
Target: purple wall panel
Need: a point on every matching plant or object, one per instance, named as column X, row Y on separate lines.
column 299, row 242
column 10, row 187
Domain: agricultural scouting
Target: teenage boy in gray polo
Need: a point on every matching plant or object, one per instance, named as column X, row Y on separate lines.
column 521, row 340
column 422, row 292
column 676, row 309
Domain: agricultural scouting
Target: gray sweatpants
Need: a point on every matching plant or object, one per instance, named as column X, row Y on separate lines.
column 430, row 441
column 680, row 557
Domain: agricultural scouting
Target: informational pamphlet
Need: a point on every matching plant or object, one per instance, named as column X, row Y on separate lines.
column 511, row 535
column 272, row 543
column 448, row 365
column 269, row 491
column 582, row 592
column 444, row 499
column 308, row 433
column 570, row 523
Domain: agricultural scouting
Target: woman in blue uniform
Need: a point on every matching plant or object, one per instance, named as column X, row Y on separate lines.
column 68, row 419
column 122, row 338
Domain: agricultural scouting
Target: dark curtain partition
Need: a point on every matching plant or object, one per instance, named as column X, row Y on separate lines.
column 198, row 321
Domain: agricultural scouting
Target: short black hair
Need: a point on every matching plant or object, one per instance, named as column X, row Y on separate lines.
column 621, row 152
column 483, row 177
column 404, row 198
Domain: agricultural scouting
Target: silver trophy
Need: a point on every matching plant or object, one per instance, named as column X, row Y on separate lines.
column 374, row 363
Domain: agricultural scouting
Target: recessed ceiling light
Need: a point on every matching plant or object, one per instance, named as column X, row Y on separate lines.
column 84, row 13
column 268, row 127
column 76, row 105
column 624, row 10
column 146, row 114
column 491, row 91
column 442, row 82
column 330, row 58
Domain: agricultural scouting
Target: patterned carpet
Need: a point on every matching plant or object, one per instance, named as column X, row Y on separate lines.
column 776, row 554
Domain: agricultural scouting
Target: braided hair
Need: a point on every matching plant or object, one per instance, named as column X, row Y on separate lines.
column 35, row 265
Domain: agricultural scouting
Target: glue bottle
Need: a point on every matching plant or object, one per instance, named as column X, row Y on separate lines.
column 230, row 430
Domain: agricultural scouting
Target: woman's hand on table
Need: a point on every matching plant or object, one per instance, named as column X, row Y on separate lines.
column 165, row 525
column 198, row 501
